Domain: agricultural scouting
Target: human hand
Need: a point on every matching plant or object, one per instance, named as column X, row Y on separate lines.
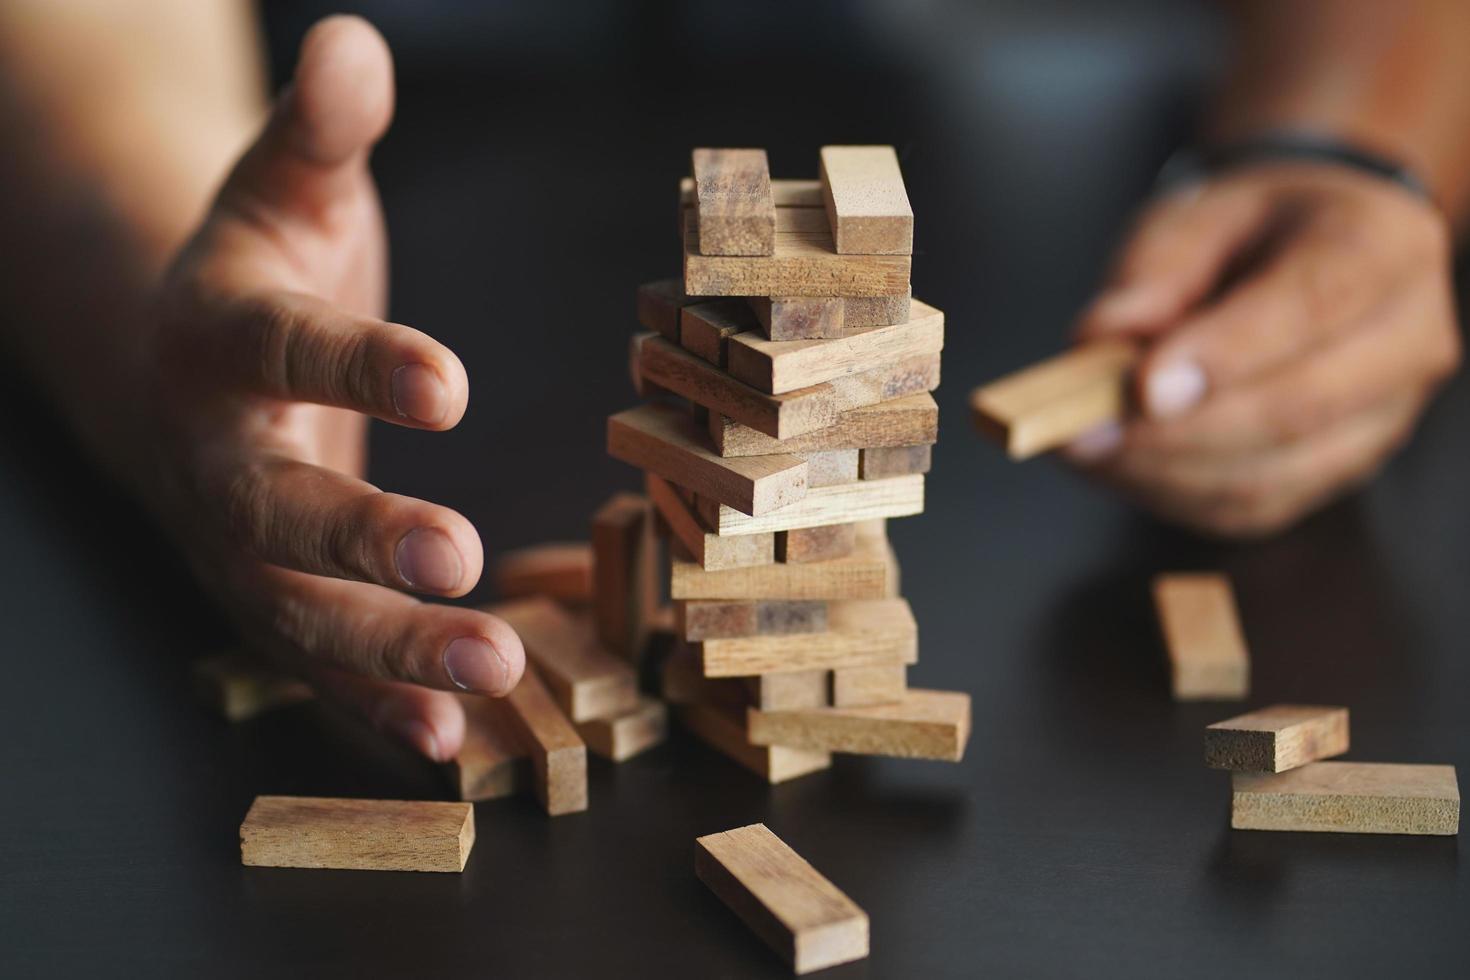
column 270, row 353
column 1297, row 318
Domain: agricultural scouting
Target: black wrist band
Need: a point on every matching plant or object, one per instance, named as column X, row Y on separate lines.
column 1192, row 163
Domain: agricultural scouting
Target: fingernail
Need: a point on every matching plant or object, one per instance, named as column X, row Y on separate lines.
column 419, row 735
column 426, row 559
column 1129, row 306
column 1174, row 388
column 418, row 394
column 1096, row 443
column 475, row 665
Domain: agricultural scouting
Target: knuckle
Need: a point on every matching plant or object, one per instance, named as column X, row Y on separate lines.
column 249, row 511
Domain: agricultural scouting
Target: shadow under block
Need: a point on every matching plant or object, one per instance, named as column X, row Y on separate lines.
column 858, row 687
column 867, row 205
column 667, row 442
column 1349, row 798
column 1051, row 403
column 923, row 725
column 587, row 681
column 797, row 689
column 709, row 619
column 659, row 304
column 786, row 193
column 781, row 366
column 1274, row 739
column 559, row 569
column 906, row 421
column 782, row 898
column 705, row 328
column 492, row 763
column 558, row 754
column 710, row 551
column 722, row 727
column 239, row 687
column 881, row 462
column 810, row 544
column 622, row 736
column 870, row 572
column 358, row 835
column 865, row 500
column 626, row 570
column 859, row 632
column 1207, row 652
column 732, row 190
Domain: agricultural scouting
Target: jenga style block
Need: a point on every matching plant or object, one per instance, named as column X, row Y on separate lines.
column 710, row 551
column 800, row 317
column 625, row 571
column 860, row 632
column 622, row 736
column 722, row 728
column 1052, row 403
column 831, row 467
column 1207, row 652
column 879, row 463
column 492, row 762
column 903, row 421
column 796, row 689
column 923, row 725
column 705, row 328
column 859, row 687
column 782, row 898
column 732, row 190
column 785, row 192
column 1277, row 738
column 705, row 619
column 865, row 500
column 816, row 543
column 241, row 687
column 867, row 205
column 659, row 303
column 870, row 572
column 559, row 570
column 682, row 681
column 357, row 835
column 1349, row 798
column 558, row 754
column 586, row 680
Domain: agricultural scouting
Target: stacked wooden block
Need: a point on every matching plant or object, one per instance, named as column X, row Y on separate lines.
column 789, row 376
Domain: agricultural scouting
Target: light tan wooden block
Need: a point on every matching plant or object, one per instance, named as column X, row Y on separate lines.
column 240, row 687
column 710, row 551
column 796, row 689
column 626, row 570
column 558, row 754
column 870, row 572
column 785, row 192
column 1277, row 738
column 586, row 680
column 558, row 569
column 705, row 328
column 1207, row 652
column 923, row 725
column 708, row 619
column 1051, row 403
column 858, row 687
column 879, row 463
column 732, row 190
column 357, row 835
column 666, row 442
column 867, row 205
column 722, row 727
column 859, row 632
column 1349, row 798
column 785, row 901
column 492, row 762
column 620, row 737
column 816, row 543
column 859, row 312
column 659, row 304
column 781, row 366
column 906, row 421
column 829, row 467
column 900, row 496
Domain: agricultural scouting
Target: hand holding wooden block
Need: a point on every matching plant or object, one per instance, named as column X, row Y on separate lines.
column 1051, row 403
column 359, row 835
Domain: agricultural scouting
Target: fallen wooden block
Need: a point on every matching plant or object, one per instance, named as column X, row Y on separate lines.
column 829, row 467
column 586, row 680
column 666, row 442
column 560, row 570
column 879, row 463
column 492, row 762
column 809, row 544
column 241, row 687
column 625, row 570
column 858, row 687
column 905, row 421
column 659, row 304
column 710, row 551
column 1277, row 738
column 795, row 689
column 867, row 205
column 620, row 737
column 1207, row 652
column 357, row 835
column 705, row 619
column 783, row 899
column 826, row 317
column 722, row 727
column 865, row 500
column 705, row 328
column 782, row 366
column 1051, row 403
column 923, row 725
column 1349, row 798
column 732, row 190
column 786, row 193
column 558, row 754
column 870, row 572
column 859, row 632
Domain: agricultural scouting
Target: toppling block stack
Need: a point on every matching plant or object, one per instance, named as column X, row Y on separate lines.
column 790, row 374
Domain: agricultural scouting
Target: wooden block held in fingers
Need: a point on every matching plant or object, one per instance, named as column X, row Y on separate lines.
column 710, row 551
column 867, row 204
column 879, row 463
column 659, row 304
column 622, row 736
column 785, row 193
column 785, row 901
column 1277, row 738
column 732, row 190
column 1207, row 652
column 666, row 442
column 830, row 467
column 1051, row 403
column 722, row 727
column 705, row 328
column 1349, row 798
column 907, row 421
column 707, row 619
column 870, row 572
column 859, row 632
column 492, row 762
column 587, row 681
column 557, row 569
column 923, row 725
column 358, row 835
column 800, row 317
column 797, row 689
column 782, row 366
column 816, row 543
column 558, row 754
column 899, row 496
column 241, row 687
column 858, row 687
column 626, row 570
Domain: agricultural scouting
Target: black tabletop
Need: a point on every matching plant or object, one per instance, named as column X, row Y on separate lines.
column 1081, row 835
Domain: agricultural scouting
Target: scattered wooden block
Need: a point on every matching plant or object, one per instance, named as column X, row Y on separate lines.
column 783, row 899
column 710, row 551
column 620, row 737
column 879, row 463
column 357, row 835
column 905, row 421
column 830, row 467
column 858, row 687
column 785, row 193
column 1051, row 403
column 659, row 304
column 782, row 366
column 867, row 205
column 1207, row 652
column 809, row 544
column 870, row 572
column 587, row 681
column 558, row 754
column 1349, row 798
column 795, row 689
column 900, row 496
column 666, row 442
column 859, row 632
column 732, row 190
column 560, row 570
column 923, row 725
column 722, row 727
column 706, row 328
column 626, row 571
column 492, row 762
column 1277, row 738
column 708, row 619
column 241, row 687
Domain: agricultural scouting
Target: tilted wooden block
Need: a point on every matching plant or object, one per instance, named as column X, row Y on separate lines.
column 558, row 754
column 722, row 727
column 492, row 762
column 1051, row 403
column 666, row 442
column 905, row 421
column 241, row 687
column 867, row 205
column 626, row 572
column 1349, row 798
column 785, row 192
column 859, row 632
column 737, row 215
column 829, row 467
column 900, row 496
column 870, row 572
column 923, row 725
column 782, row 898
column 826, row 317
column 706, row 619
column 588, row 682
column 796, row 689
column 705, row 328
column 558, row 569
column 879, row 463
column 782, row 366
column 659, row 304
column 622, row 736
column 816, row 543
column 1207, row 652
column 357, row 835
column 710, row 551
column 1277, row 738
column 858, row 687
